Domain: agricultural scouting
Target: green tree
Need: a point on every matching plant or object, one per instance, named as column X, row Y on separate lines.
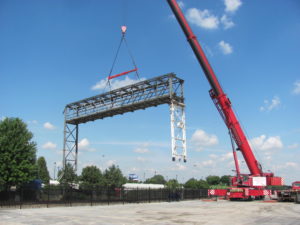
column 91, row 175
column 42, row 170
column 113, row 177
column 213, row 180
column 17, row 153
column 68, row 174
column 172, row 184
column 196, row 184
column 225, row 180
column 192, row 183
column 203, row 184
column 157, row 179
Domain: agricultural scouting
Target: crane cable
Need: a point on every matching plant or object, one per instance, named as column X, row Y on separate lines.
column 123, row 39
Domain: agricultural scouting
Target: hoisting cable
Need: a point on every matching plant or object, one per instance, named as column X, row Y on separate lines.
column 132, row 59
column 124, row 28
column 123, row 39
column 114, row 62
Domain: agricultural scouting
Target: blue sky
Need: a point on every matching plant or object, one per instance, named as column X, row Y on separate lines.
column 54, row 52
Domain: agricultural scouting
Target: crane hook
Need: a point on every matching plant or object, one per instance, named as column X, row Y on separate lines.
column 123, row 29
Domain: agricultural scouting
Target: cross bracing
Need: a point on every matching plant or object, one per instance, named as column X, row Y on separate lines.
column 165, row 89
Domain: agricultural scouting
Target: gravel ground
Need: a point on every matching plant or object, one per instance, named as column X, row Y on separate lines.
column 185, row 212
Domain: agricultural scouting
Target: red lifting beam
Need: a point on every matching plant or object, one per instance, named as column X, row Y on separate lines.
column 122, row 74
column 219, row 97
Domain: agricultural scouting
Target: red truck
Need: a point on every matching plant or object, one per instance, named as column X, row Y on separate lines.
column 292, row 195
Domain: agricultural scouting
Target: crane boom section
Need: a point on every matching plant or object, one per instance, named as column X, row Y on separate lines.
column 220, row 99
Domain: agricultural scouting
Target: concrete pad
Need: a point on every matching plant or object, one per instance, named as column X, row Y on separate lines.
column 220, row 212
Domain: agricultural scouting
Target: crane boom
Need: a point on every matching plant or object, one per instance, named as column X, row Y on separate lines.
column 220, row 99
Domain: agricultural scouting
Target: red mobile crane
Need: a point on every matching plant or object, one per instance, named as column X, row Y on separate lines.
column 246, row 185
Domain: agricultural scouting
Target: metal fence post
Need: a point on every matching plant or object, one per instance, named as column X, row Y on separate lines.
column 107, row 193
column 71, row 196
column 123, row 195
column 91, row 190
column 149, row 195
column 48, row 198
column 21, row 197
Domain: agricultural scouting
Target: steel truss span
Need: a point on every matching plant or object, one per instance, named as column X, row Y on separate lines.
column 165, row 89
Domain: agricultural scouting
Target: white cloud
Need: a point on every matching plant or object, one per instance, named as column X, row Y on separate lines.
column 172, row 17
column 3, row 118
column 217, row 159
column 208, row 163
column 111, row 162
column 134, row 170
column 291, row 164
column 33, row 122
column 134, row 143
column 207, row 50
column 103, row 84
column 270, row 105
column 141, row 159
column 288, row 165
column 202, row 18
column 226, row 156
column 179, row 167
column 181, row 4
column 222, row 157
column 49, row 126
column 227, row 22
column 213, row 156
column 226, row 48
column 141, row 150
column 201, row 139
column 265, row 144
column 49, row 145
column 59, row 152
column 84, row 144
column 232, row 5
column 296, row 89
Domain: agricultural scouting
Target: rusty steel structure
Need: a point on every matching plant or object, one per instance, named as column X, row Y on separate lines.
column 165, row 89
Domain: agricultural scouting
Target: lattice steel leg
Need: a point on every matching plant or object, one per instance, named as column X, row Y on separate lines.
column 70, row 150
column 178, row 132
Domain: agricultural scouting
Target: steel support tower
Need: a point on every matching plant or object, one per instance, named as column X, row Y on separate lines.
column 165, row 89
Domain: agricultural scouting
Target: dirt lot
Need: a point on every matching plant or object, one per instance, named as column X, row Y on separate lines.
column 185, row 212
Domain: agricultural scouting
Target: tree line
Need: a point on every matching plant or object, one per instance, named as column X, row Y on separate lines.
column 91, row 175
column 18, row 165
column 192, row 183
